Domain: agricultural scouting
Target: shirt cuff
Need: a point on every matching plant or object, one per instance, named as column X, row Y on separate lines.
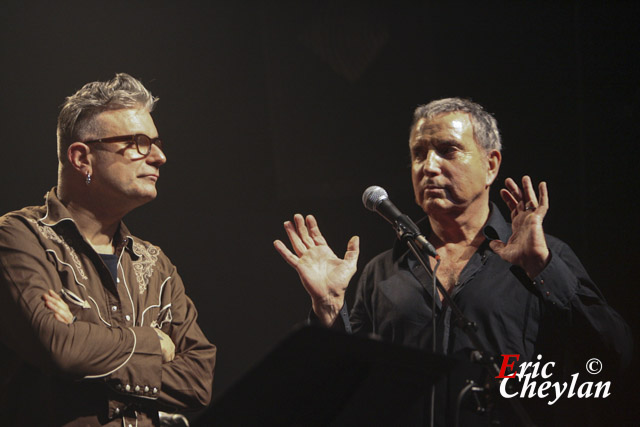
column 556, row 283
column 341, row 323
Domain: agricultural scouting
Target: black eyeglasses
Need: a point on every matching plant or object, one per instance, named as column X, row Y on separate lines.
column 142, row 141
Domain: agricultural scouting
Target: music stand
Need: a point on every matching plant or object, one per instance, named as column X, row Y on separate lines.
column 320, row 377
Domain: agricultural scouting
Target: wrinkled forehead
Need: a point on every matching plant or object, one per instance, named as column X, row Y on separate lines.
column 443, row 126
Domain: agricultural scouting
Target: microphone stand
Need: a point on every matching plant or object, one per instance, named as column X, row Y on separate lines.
column 467, row 326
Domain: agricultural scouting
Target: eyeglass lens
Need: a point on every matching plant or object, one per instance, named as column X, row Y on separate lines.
column 143, row 143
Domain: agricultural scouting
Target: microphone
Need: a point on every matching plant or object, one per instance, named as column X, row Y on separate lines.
column 377, row 200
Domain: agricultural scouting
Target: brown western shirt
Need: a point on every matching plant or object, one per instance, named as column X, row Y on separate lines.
column 106, row 367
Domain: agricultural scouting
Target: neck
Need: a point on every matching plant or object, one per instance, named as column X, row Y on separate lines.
column 461, row 228
column 96, row 224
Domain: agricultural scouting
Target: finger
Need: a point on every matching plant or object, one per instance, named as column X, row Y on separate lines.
column 55, row 296
column 544, row 195
column 60, row 318
column 303, row 231
column 513, row 189
column 56, row 301
column 64, row 317
column 353, row 249
column 508, row 198
column 51, row 305
column 62, row 306
column 57, row 306
column 529, row 195
column 294, row 237
column 314, row 231
column 285, row 253
column 497, row 246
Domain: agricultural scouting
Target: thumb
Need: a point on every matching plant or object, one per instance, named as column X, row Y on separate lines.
column 497, row 246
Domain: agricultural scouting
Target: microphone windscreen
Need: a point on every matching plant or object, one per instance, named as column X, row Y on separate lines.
column 373, row 196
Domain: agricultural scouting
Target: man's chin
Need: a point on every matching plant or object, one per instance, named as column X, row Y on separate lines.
column 432, row 206
column 145, row 196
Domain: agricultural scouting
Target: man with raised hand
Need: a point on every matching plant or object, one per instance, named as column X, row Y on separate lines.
column 526, row 291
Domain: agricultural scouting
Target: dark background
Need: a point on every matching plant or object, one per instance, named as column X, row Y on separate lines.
column 271, row 109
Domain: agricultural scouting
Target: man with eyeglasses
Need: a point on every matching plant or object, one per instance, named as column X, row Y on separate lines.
column 95, row 325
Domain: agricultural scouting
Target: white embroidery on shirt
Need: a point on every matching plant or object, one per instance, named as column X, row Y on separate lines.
column 143, row 266
column 50, row 234
column 79, row 284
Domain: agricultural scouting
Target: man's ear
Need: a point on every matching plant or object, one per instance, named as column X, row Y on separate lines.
column 494, row 158
column 78, row 156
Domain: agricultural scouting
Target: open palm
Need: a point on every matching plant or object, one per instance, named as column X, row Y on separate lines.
column 324, row 275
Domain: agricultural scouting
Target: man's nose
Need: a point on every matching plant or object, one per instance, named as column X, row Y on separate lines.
column 431, row 165
column 156, row 156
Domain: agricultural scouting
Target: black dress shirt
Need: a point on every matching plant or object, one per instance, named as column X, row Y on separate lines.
column 560, row 314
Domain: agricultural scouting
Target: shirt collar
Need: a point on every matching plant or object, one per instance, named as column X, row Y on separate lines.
column 56, row 213
column 496, row 228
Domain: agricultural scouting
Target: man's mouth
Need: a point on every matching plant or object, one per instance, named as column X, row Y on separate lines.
column 152, row 177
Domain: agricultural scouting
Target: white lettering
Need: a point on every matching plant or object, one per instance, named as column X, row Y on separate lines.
column 574, row 378
column 599, row 386
column 536, row 365
column 544, row 369
column 531, row 387
column 543, row 387
column 503, row 390
column 523, row 370
column 559, row 392
column 587, row 392
column 553, row 390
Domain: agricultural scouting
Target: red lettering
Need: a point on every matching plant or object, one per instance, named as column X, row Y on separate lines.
column 506, row 364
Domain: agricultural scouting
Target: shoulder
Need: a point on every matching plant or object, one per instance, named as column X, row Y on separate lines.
column 380, row 266
column 149, row 255
column 29, row 212
column 20, row 222
column 145, row 249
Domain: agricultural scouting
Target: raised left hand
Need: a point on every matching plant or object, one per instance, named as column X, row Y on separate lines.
column 527, row 246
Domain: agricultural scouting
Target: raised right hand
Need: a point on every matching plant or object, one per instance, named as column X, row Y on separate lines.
column 323, row 274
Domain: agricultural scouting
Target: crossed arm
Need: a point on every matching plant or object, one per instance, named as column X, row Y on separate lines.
column 62, row 313
column 176, row 366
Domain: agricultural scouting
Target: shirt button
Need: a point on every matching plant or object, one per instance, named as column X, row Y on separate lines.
column 542, row 281
column 114, row 308
column 127, row 387
column 118, row 280
column 548, row 293
column 137, row 389
column 116, row 411
column 146, row 389
column 155, row 390
column 127, row 317
column 118, row 386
